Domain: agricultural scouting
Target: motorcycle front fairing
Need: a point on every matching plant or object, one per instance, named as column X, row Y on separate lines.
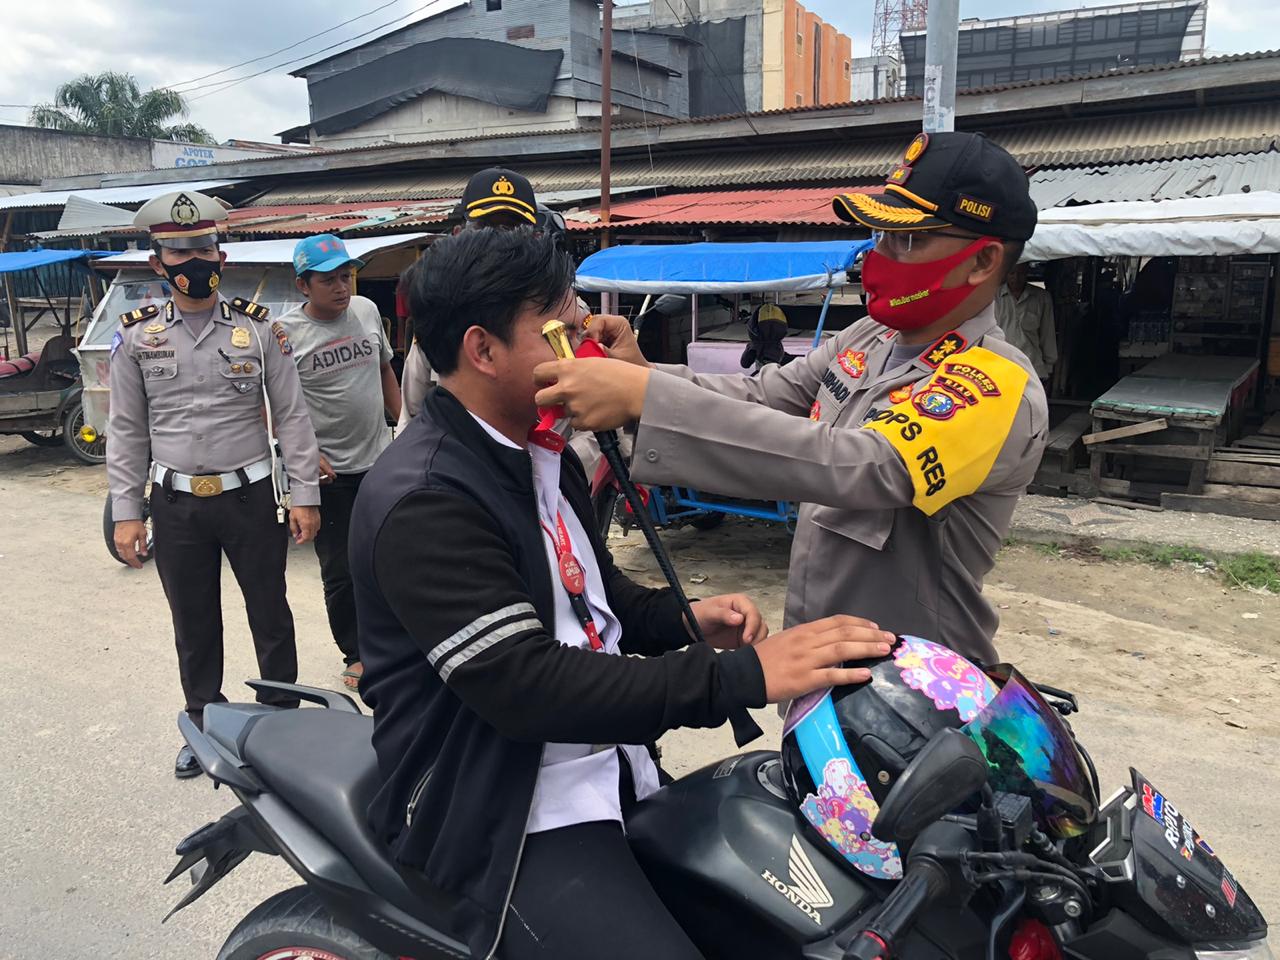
column 739, row 869
column 1181, row 879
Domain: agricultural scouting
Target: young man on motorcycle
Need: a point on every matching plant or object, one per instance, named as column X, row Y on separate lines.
column 909, row 436
column 506, row 721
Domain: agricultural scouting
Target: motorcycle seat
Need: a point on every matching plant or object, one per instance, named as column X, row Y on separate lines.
column 322, row 764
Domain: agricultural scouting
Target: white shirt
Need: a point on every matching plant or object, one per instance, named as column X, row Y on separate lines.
column 578, row 783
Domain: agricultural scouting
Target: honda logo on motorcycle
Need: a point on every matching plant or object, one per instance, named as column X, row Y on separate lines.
column 806, row 890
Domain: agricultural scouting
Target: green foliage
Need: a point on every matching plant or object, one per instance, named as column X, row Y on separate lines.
column 1252, row 570
column 111, row 104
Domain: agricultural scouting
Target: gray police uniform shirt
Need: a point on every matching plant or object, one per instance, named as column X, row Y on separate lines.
column 340, row 366
column 194, row 403
column 908, row 477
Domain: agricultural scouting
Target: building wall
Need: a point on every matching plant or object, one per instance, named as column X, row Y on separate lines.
column 569, row 25
column 437, row 115
column 30, row 154
column 807, row 61
column 875, row 78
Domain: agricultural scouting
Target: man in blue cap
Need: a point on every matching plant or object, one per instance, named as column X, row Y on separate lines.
column 344, row 362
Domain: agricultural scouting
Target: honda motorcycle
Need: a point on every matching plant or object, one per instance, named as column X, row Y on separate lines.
column 740, row 866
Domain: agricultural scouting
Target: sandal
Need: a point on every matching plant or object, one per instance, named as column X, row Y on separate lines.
column 351, row 676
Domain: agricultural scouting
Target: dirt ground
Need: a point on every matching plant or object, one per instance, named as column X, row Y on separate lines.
column 1176, row 674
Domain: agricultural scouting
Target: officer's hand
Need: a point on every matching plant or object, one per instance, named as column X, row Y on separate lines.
column 130, row 537
column 729, row 621
column 327, row 473
column 614, row 333
column 304, row 523
column 597, row 394
column 811, row 656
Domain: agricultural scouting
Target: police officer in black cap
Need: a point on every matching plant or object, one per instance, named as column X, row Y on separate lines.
column 908, row 437
column 496, row 197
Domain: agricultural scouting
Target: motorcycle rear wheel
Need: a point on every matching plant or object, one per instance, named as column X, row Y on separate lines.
column 294, row 925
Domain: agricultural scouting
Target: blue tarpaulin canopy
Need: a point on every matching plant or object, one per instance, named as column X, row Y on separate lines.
column 31, row 259
column 720, row 267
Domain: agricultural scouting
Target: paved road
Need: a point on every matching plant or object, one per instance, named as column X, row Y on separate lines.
column 88, row 737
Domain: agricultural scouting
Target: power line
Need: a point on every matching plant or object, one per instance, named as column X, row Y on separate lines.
column 225, row 85
column 245, row 63
column 718, row 70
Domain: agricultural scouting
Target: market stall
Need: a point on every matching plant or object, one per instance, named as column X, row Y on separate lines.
column 1167, row 339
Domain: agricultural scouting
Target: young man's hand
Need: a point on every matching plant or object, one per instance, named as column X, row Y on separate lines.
column 812, row 656
column 729, row 621
column 614, row 333
column 599, row 394
column 327, row 473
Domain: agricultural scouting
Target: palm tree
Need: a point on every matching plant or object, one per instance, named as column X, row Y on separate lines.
column 110, row 104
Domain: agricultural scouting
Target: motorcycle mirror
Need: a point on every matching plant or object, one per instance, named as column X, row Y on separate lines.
column 949, row 769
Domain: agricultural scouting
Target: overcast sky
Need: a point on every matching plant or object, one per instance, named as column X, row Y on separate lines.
column 49, row 42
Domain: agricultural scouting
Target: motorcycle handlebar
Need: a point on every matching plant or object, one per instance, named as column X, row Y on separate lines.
column 925, row 882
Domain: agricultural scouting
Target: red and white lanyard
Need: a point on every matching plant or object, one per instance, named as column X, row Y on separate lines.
column 574, row 580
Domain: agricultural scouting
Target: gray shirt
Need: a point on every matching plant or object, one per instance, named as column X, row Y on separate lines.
column 193, row 402
column 907, row 478
column 340, row 366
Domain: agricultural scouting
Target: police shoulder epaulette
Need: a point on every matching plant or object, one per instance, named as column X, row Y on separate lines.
column 250, row 309
column 142, row 313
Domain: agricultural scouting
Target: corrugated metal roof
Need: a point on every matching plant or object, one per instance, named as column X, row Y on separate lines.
column 1246, row 128
column 808, row 206
column 140, row 194
column 300, row 220
column 1158, row 180
column 655, row 123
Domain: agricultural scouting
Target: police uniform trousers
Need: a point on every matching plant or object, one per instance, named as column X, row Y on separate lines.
column 191, row 535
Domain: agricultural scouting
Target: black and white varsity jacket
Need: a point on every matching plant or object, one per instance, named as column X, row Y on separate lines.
column 453, row 590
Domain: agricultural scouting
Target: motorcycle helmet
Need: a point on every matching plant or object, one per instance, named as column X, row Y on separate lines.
column 844, row 749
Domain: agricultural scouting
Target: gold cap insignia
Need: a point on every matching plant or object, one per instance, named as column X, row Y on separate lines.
column 915, row 149
column 503, row 187
column 183, row 210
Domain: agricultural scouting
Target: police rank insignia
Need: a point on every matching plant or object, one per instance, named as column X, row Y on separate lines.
column 240, row 337
column 944, row 347
column 916, row 148
column 154, row 328
column 853, row 362
column 142, row 313
column 282, row 338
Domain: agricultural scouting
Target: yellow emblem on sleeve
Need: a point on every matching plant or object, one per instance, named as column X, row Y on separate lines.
column 951, row 432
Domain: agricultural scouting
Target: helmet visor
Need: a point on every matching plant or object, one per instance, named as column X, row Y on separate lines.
column 1031, row 752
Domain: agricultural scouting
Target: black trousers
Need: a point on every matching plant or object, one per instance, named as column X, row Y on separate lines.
column 580, row 895
column 191, row 535
column 336, row 501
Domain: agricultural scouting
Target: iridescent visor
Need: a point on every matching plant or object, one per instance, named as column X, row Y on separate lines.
column 1030, row 752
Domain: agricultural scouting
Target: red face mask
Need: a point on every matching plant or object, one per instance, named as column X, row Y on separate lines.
column 908, row 296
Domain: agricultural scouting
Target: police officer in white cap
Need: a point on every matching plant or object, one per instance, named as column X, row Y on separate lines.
column 189, row 382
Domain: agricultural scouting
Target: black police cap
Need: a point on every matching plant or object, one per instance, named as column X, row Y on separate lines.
column 949, row 179
column 499, row 190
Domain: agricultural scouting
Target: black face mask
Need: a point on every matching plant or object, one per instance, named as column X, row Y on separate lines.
column 194, row 278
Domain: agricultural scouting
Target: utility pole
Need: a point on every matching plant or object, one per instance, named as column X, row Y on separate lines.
column 606, row 131
column 943, row 26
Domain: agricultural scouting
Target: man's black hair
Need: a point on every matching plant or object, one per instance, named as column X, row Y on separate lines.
column 481, row 278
